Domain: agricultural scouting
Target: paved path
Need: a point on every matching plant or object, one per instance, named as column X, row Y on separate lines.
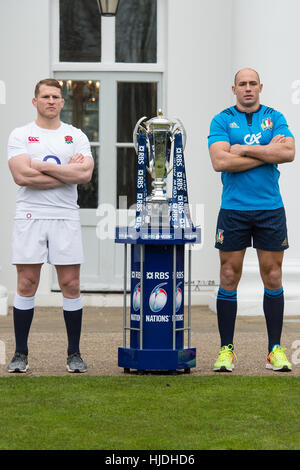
column 102, row 334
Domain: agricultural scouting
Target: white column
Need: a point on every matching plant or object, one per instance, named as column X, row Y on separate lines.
column 266, row 37
column 108, row 39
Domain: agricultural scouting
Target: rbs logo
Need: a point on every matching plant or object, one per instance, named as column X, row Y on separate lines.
column 157, row 275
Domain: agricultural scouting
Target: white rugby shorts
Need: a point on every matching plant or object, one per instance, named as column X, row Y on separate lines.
column 57, row 242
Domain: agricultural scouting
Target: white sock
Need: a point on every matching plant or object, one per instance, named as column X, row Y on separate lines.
column 70, row 305
column 23, row 303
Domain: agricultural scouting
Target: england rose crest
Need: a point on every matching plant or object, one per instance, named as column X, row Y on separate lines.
column 68, row 139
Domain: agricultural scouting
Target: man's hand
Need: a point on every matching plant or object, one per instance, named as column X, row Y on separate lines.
column 36, row 165
column 224, row 160
column 237, row 149
column 278, row 139
column 247, row 150
column 281, row 149
column 26, row 172
column 77, row 158
column 39, row 164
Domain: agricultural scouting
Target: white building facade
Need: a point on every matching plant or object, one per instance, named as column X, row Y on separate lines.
column 198, row 46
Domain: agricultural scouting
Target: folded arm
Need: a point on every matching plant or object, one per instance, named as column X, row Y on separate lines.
column 224, row 160
column 281, row 149
column 24, row 175
column 78, row 170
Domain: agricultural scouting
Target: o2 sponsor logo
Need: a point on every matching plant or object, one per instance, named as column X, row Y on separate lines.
column 158, row 298
column 52, row 159
column 136, row 297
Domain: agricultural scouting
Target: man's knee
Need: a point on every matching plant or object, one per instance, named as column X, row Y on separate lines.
column 70, row 286
column 27, row 285
column 230, row 276
column 272, row 277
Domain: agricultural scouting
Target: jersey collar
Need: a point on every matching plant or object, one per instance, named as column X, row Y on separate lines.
column 245, row 112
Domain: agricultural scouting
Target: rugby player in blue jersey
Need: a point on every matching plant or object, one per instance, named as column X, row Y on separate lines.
column 246, row 143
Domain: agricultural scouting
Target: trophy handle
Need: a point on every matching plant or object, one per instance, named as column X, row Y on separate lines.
column 135, row 132
column 179, row 127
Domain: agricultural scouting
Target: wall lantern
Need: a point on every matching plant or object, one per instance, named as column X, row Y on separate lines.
column 108, row 7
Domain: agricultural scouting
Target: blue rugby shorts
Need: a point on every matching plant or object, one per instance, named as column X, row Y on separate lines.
column 263, row 229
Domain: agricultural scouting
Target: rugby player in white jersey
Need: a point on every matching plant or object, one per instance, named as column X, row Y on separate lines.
column 47, row 159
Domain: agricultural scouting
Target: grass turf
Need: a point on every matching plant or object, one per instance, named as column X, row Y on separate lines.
column 149, row 412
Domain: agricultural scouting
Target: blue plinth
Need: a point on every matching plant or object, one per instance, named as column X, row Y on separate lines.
column 157, row 359
column 157, row 300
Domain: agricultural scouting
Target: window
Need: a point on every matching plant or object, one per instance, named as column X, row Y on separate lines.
column 79, row 31
column 80, row 42
column 135, row 100
column 81, row 109
column 135, row 31
column 112, row 73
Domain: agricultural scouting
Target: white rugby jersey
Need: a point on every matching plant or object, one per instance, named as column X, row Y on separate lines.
column 58, row 146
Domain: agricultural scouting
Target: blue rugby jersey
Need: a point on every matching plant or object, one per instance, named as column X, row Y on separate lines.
column 258, row 188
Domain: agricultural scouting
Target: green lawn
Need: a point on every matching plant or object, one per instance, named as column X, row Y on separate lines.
column 149, row 412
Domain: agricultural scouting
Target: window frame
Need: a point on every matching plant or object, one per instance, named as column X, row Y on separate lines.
column 107, row 46
column 144, row 72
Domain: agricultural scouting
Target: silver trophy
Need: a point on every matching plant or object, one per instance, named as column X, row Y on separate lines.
column 159, row 133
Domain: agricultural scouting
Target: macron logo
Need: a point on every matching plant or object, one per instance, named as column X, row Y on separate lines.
column 33, row 139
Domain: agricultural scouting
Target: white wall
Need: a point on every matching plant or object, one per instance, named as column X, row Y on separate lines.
column 206, row 43
column 195, row 59
column 24, row 59
column 199, row 78
column 266, row 37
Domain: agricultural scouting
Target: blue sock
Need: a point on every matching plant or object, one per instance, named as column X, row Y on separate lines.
column 273, row 305
column 72, row 309
column 22, row 323
column 226, row 313
column 23, row 311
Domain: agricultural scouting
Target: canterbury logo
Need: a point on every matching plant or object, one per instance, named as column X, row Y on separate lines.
column 33, row 139
column 252, row 139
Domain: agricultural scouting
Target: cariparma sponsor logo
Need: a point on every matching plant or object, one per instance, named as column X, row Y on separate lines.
column 158, row 298
column 266, row 124
column 52, row 159
column 136, row 297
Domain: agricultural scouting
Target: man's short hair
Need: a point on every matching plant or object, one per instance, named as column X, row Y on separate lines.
column 248, row 68
column 47, row 82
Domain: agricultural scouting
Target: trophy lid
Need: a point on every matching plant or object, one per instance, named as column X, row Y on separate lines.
column 159, row 121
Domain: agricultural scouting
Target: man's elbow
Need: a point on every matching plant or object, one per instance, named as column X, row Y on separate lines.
column 292, row 154
column 218, row 166
column 85, row 177
column 19, row 180
column 291, row 151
